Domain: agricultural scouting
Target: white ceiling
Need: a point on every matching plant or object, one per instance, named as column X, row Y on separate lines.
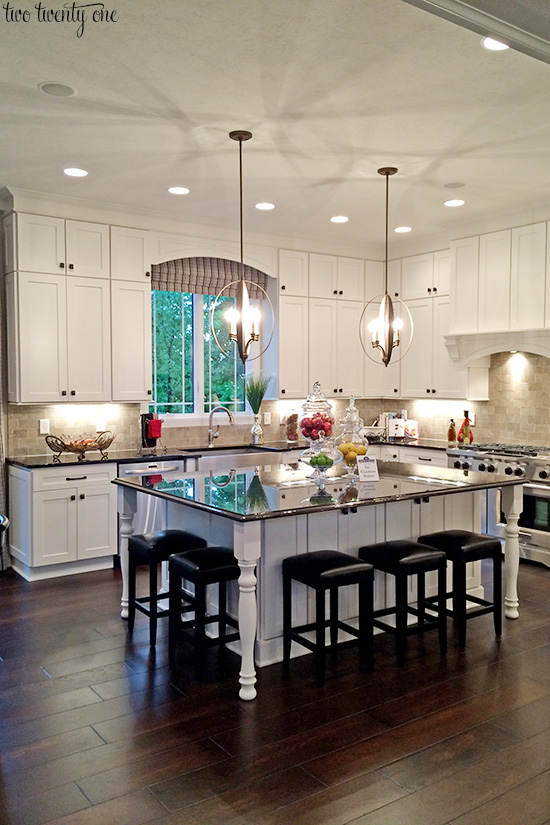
column 331, row 89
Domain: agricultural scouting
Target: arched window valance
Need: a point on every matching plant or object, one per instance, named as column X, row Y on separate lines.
column 206, row 276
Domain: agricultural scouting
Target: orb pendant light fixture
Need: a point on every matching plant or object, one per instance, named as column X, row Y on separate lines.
column 243, row 319
column 385, row 327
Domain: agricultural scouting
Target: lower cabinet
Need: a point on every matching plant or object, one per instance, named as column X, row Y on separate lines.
column 63, row 516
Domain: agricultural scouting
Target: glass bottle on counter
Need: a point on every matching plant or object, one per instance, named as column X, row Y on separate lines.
column 351, row 441
column 465, row 434
column 451, row 434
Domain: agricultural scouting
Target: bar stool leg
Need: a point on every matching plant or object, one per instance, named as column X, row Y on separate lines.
column 222, row 613
column 497, row 593
column 320, row 634
column 174, row 618
column 459, row 601
column 287, row 618
column 421, row 598
column 442, row 608
column 200, row 628
column 131, row 593
column 333, row 620
column 366, row 628
column 153, row 600
column 401, row 618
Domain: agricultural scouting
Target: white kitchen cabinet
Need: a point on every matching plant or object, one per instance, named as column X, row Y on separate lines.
column 131, row 254
column 293, row 346
column 464, row 284
column 374, row 279
column 59, row 343
column 293, row 273
column 417, row 455
column 8, row 245
column 417, row 276
column 527, row 278
column 54, row 245
column 335, row 277
column 449, row 380
column 494, row 281
column 131, row 343
column 350, row 371
column 380, row 381
column 334, row 346
column 68, row 519
column 351, row 279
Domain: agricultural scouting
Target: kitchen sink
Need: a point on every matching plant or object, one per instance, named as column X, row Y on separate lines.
column 204, row 459
column 246, row 449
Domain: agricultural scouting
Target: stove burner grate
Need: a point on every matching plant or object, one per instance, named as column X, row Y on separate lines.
column 505, row 449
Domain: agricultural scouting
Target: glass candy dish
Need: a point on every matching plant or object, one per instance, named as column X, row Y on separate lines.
column 316, row 420
column 320, row 459
column 351, row 441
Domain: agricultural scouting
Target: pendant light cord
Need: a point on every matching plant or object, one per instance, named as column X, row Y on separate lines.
column 241, row 196
column 387, row 213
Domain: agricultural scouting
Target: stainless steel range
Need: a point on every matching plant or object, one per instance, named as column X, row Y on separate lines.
column 525, row 461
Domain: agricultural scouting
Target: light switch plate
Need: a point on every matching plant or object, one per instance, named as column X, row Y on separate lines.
column 267, row 418
column 44, row 426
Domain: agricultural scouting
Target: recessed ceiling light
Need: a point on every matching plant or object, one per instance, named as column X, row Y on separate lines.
column 50, row 87
column 493, row 45
column 178, row 190
column 403, row 229
column 339, row 219
column 265, row 206
column 454, row 202
column 75, row 172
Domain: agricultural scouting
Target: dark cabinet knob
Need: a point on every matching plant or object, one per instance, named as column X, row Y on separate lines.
column 396, row 294
column 62, row 265
column 73, row 392
column 283, row 286
column 341, row 292
column 435, row 289
column 335, row 292
column 429, row 290
column 283, row 392
column 427, row 390
column 73, row 498
column 149, row 392
column 395, row 389
column 147, row 274
column 335, row 390
column 433, row 390
column 82, row 495
column 340, row 390
column 71, row 266
column 63, row 392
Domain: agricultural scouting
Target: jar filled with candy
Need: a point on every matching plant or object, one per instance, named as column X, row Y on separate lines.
column 316, row 420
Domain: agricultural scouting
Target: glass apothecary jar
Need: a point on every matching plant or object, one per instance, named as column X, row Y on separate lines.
column 351, row 442
column 316, row 420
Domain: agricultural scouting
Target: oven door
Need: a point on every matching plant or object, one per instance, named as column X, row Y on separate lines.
column 534, row 522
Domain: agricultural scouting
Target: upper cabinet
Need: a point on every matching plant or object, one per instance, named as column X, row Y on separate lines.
column 494, row 281
column 336, row 277
column 45, row 244
column 425, row 275
column 528, row 267
column 464, row 284
column 293, row 273
column 132, row 253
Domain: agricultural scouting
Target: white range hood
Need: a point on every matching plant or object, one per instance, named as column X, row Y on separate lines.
column 467, row 347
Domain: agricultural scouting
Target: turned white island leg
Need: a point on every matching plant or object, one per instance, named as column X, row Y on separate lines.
column 247, row 550
column 127, row 506
column 512, row 505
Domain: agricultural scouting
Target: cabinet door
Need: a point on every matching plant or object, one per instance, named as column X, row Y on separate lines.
column 413, row 455
column 40, row 243
column 464, row 284
column 494, row 281
column 87, row 249
column 131, row 341
column 351, row 278
column 293, row 347
column 323, row 344
column 380, row 381
column 54, row 527
column 416, row 366
column 449, row 380
column 131, row 254
column 293, row 272
column 442, row 272
column 394, row 279
column 323, row 276
column 350, row 354
column 9, row 248
column 528, row 275
column 96, row 535
column 417, row 276
column 89, row 339
column 374, row 279
column 42, row 338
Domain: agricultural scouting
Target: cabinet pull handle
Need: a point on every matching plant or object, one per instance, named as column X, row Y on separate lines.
column 283, row 392
column 427, row 390
column 147, row 274
column 82, row 495
column 71, row 266
column 435, row 289
column 429, row 290
column 395, row 389
column 63, row 392
column 73, row 498
column 341, row 292
column 423, row 458
column 396, row 294
column 149, row 392
column 335, row 292
column 283, row 286
column 335, row 390
column 73, row 392
column 62, row 265
column 76, row 478
column 340, row 390
column 433, row 390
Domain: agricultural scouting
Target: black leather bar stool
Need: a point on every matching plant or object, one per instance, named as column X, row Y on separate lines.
column 325, row 570
column 211, row 565
column 461, row 547
column 402, row 559
column 151, row 549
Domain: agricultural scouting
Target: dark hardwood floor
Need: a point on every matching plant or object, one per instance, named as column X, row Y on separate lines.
column 96, row 730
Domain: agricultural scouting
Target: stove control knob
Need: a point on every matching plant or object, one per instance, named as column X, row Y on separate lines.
column 508, row 471
column 543, row 474
column 518, row 471
column 490, row 468
column 481, row 468
column 465, row 465
column 457, row 464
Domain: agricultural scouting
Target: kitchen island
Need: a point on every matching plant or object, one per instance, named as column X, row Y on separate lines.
column 267, row 513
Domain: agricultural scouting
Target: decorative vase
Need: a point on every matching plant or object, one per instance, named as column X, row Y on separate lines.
column 257, row 432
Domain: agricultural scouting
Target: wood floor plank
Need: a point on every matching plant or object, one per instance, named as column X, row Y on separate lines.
column 36, row 809
column 532, row 798
column 136, row 808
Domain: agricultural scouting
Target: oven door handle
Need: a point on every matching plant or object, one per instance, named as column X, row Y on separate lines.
column 523, row 535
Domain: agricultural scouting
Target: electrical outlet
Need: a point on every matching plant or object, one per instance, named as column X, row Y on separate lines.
column 472, row 417
column 44, row 426
column 267, row 418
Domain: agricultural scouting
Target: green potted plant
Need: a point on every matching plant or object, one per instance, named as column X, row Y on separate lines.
column 255, row 390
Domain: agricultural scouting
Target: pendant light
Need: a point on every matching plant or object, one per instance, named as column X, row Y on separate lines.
column 243, row 319
column 385, row 328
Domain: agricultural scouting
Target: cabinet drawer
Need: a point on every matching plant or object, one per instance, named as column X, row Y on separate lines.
column 437, row 458
column 73, row 475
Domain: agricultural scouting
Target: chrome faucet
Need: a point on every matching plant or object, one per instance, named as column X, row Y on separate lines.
column 212, row 434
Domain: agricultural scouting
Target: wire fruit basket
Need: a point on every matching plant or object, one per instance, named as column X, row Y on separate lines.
column 102, row 441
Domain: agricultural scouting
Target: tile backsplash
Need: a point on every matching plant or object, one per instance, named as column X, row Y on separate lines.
column 519, row 389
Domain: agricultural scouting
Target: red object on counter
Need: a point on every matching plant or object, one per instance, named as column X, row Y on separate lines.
column 465, row 435
column 154, row 427
column 156, row 479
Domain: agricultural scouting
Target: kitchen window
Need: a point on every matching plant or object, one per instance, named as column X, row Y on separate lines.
column 190, row 374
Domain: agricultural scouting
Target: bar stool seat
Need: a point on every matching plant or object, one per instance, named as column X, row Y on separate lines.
column 151, row 549
column 461, row 547
column 200, row 567
column 401, row 559
column 328, row 570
